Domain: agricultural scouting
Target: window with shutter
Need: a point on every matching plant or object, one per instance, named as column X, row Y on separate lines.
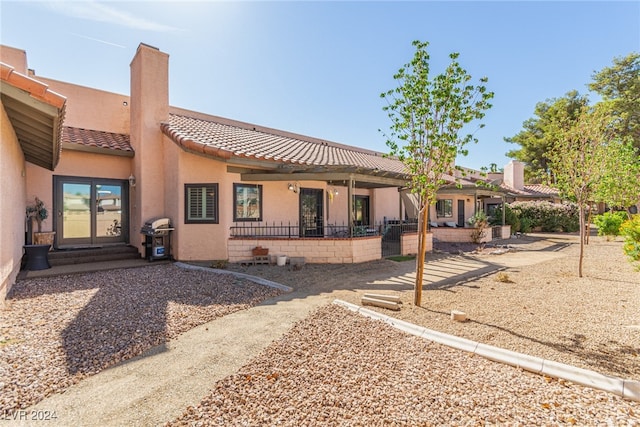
column 201, row 203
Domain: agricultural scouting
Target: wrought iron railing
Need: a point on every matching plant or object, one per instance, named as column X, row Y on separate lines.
column 387, row 229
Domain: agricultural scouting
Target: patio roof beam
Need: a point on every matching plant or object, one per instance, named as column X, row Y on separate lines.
column 324, row 176
column 476, row 192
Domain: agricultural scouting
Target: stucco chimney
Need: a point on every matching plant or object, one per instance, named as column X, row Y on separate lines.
column 149, row 107
column 514, row 174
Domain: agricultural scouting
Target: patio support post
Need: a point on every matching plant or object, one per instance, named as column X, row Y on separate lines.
column 350, row 205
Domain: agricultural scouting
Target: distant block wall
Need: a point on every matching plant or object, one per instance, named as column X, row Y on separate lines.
column 458, row 235
column 505, row 232
column 409, row 243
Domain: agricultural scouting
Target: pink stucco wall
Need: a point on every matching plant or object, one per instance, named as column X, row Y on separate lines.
column 199, row 241
column 90, row 108
column 72, row 163
column 12, row 205
column 149, row 108
column 17, row 58
column 77, row 163
column 336, row 209
column 469, row 208
column 386, row 204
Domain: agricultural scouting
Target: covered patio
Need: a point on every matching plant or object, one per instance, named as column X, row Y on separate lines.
column 326, row 237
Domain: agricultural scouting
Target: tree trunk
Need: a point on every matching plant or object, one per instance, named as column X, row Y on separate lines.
column 422, row 251
column 582, row 234
column 586, row 227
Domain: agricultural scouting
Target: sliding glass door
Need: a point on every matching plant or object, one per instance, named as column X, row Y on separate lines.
column 91, row 211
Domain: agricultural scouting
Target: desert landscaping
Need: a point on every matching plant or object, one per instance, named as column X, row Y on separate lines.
column 336, row 367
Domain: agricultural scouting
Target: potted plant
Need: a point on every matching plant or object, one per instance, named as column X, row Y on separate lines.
column 39, row 212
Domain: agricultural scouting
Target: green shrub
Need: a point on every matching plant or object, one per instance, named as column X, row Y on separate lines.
column 609, row 223
column 630, row 229
column 526, row 224
column 510, row 218
column 548, row 216
column 525, row 216
column 219, row 263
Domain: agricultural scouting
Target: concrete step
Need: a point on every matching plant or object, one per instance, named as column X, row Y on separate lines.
column 92, row 255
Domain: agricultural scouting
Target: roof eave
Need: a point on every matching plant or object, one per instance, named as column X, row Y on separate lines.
column 36, row 115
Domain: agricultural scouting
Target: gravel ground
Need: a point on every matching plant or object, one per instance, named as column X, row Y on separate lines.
column 56, row 331
column 339, row 368
column 543, row 309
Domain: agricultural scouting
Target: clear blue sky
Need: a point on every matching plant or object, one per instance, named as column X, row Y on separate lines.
column 318, row 68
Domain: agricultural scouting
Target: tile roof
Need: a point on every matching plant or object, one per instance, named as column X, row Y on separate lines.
column 533, row 190
column 541, row 189
column 36, row 114
column 96, row 138
column 225, row 138
column 35, row 88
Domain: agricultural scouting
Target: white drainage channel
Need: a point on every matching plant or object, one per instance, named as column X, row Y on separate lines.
column 628, row 389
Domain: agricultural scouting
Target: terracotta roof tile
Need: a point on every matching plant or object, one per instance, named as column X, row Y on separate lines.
column 533, row 190
column 40, row 147
column 541, row 189
column 36, row 89
column 225, row 138
column 96, row 138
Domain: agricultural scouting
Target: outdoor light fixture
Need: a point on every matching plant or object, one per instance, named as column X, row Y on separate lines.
column 132, row 180
column 293, row 187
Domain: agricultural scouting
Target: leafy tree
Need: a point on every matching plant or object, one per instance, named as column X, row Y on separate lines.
column 620, row 84
column 427, row 113
column 620, row 185
column 493, row 168
column 536, row 138
column 578, row 159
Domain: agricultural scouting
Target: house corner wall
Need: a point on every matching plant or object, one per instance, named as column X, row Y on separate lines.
column 12, row 205
column 149, row 108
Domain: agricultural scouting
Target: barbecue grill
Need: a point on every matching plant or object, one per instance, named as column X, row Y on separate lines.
column 157, row 238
